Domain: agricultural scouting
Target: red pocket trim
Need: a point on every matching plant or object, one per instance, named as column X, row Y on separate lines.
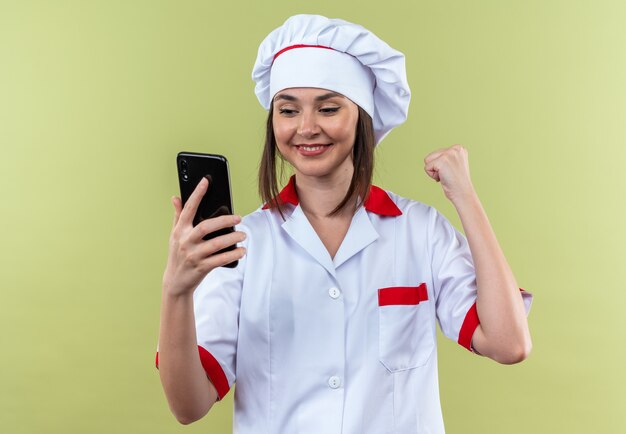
column 402, row 295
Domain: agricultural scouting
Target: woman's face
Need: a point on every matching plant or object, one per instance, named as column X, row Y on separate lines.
column 315, row 130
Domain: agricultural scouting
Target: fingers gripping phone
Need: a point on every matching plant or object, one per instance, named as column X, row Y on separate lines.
column 192, row 167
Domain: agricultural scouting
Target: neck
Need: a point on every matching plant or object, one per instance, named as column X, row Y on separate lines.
column 319, row 196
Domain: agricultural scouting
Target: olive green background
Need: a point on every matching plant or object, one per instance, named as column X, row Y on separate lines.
column 97, row 97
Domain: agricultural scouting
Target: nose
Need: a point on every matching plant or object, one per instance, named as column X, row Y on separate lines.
column 308, row 126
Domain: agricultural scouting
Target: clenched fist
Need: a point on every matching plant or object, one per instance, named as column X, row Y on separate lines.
column 450, row 166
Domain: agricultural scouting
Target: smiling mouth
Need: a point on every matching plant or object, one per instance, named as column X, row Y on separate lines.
column 311, row 148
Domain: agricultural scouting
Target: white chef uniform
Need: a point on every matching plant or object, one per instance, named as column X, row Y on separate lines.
column 338, row 345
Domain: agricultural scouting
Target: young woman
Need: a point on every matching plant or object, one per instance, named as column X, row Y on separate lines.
column 327, row 324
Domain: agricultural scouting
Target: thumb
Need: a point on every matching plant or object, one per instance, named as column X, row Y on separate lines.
column 432, row 170
column 178, row 208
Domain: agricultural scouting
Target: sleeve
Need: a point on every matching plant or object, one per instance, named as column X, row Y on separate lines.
column 454, row 281
column 216, row 309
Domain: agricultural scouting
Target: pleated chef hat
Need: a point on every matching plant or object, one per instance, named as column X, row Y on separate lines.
column 333, row 54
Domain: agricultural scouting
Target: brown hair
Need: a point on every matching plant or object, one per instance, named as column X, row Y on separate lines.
column 362, row 157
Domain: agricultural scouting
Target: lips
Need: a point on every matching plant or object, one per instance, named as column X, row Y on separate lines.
column 312, row 149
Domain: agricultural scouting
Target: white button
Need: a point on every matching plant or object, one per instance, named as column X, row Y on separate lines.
column 334, row 382
column 334, row 292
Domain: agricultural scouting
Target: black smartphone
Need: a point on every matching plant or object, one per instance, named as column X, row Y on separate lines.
column 192, row 167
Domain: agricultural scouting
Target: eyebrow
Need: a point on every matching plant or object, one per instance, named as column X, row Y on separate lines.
column 324, row 97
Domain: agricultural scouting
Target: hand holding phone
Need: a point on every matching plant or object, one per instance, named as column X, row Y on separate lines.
column 192, row 255
column 216, row 202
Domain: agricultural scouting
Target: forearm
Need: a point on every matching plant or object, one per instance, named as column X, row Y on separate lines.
column 503, row 333
column 189, row 392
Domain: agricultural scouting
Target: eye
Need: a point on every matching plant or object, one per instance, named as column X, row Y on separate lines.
column 287, row 111
column 329, row 110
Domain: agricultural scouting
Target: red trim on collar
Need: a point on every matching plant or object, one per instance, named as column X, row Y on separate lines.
column 378, row 201
column 287, row 195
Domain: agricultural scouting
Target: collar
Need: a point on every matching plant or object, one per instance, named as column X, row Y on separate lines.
column 378, row 201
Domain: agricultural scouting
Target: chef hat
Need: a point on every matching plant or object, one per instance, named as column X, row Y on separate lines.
column 333, row 54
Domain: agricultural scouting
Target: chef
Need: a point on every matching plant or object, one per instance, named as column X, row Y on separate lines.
column 328, row 323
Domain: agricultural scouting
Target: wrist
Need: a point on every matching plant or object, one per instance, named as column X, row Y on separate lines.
column 175, row 293
column 465, row 199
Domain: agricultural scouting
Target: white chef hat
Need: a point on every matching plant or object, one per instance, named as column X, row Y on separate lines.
column 333, row 54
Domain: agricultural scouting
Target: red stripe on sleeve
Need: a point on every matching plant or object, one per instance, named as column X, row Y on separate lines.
column 470, row 323
column 213, row 370
column 468, row 328
column 402, row 295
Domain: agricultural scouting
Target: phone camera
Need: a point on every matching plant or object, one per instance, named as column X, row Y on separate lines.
column 183, row 170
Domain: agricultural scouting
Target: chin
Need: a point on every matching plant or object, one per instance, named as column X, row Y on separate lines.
column 316, row 172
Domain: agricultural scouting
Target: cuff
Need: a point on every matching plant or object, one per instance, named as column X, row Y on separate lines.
column 471, row 321
column 527, row 297
column 468, row 328
column 213, row 370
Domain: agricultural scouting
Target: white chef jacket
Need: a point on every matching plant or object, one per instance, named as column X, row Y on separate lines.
column 347, row 344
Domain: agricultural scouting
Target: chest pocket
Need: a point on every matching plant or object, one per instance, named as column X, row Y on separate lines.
column 406, row 336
